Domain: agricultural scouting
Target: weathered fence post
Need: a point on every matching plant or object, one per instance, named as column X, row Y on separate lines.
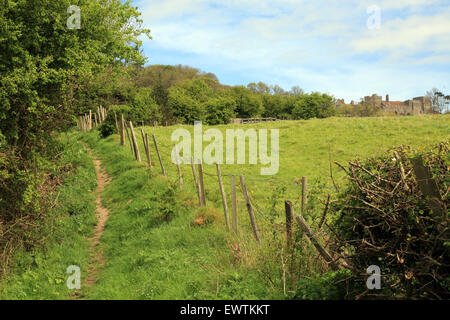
column 304, row 194
column 429, row 188
column 322, row 251
column 179, row 167
column 289, row 219
column 90, row 119
column 159, row 156
column 129, row 140
column 250, row 210
column 224, row 197
column 202, row 182
column 135, row 144
column 122, row 133
column 234, row 221
column 149, row 158
column 197, row 185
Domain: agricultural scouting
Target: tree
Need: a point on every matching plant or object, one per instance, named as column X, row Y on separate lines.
column 439, row 101
column 184, row 107
column 248, row 104
column 314, row 105
column 220, row 110
column 297, row 91
column 145, row 107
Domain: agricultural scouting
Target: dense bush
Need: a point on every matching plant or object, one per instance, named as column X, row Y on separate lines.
column 386, row 218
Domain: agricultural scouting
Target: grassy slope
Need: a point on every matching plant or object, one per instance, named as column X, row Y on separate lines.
column 149, row 258
column 41, row 274
column 152, row 259
column 304, row 151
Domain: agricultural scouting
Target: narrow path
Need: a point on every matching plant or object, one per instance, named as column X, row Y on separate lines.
column 97, row 261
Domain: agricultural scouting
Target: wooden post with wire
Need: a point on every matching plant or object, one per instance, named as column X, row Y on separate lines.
column 322, row 251
column 122, row 133
column 149, row 158
column 180, row 174
column 163, row 171
column 250, row 210
column 135, row 144
column 234, row 221
column 197, row 184
column 304, row 194
column 202, row 182
column 129, row 140
column 224, row 197
column 289, row 208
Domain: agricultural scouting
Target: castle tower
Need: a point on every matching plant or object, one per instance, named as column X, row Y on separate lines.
column 387, row 98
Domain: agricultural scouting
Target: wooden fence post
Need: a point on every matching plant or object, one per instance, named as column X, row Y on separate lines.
column 146, row 148
column 135, row 144
column 202, row 182
column 197, row 185
column 234, row 221
column 129, row 140
column 250, row 210
column 159, row 156
column 429, row 188
column 322, row 251
column 289, row 219
column 122, row 133
column 90, row 119
column 304, row 194
column 179, row 167
column 224, row 197
column 149, row 158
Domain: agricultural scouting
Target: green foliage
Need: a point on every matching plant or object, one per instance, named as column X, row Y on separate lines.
column 314, row 105
column 144, row 107
column 40, row 272
column 247, row 104
column 330, row 286
column 219, row 110
column 107, row 129
column 184, row 107
column 360, row 110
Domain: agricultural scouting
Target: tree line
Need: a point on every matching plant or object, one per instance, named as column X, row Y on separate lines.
column 182, row 94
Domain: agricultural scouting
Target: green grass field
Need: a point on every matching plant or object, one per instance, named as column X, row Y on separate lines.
column 150, row 259
column 155, row 251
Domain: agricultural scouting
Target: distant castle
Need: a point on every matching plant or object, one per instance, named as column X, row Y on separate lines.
column 416, row 106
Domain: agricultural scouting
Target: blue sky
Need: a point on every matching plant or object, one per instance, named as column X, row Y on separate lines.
column 319, row 45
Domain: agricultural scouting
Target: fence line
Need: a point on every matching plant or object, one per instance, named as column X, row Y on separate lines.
column 251, row 204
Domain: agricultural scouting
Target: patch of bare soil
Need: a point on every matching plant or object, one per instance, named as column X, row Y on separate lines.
column 97, row 261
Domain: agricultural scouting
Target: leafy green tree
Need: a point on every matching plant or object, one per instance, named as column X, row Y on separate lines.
column 272, row 105
column 248, row 104
column 144, row 107
column 220, row 110
column 314, row 105
column 183, row 107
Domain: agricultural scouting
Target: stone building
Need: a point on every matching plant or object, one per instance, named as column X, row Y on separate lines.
column 415, row 106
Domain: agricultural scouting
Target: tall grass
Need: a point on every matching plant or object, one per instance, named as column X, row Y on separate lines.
column 41, row 273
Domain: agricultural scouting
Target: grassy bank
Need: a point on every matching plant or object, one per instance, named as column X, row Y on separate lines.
column 153, row 248
column 41, row 273
column 156, row 251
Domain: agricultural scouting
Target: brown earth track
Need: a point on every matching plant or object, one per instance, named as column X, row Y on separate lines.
column 97, row 261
